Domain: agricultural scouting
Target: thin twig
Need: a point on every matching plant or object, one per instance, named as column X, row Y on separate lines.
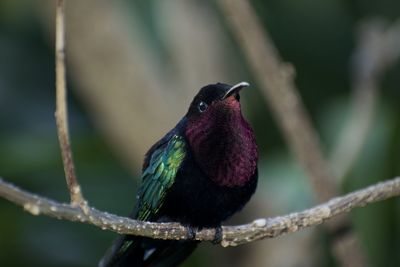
column 61, row 113
column 232, row 235
column 378, row 49
column 276, row 80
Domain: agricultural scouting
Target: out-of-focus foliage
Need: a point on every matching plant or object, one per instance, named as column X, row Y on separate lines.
column 317, row 37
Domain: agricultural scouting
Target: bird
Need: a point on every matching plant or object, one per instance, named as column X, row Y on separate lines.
column 199, row 174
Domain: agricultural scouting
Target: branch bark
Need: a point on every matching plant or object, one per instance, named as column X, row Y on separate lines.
column 231, row 235
column 61, row 113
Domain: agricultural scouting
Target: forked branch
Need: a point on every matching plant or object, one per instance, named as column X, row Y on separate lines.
column 61, row 113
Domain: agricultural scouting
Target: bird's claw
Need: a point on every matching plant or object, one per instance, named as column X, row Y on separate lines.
column 218, row 235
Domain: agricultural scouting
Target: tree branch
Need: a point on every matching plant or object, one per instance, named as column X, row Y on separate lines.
column 231, row 235
column 61, row 113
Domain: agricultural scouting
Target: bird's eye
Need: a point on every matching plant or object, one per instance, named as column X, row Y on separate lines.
column 202, row 106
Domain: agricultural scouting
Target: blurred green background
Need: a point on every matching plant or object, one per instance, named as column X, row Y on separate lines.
column 133, row 67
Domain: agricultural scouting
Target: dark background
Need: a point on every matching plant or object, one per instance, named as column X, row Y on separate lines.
column 133, row 67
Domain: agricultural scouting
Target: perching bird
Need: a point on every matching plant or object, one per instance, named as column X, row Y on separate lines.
column 199, row 174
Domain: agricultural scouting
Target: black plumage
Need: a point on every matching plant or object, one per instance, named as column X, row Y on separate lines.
column 199, row 174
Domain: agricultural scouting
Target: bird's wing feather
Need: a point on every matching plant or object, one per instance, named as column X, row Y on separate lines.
column 159, row 176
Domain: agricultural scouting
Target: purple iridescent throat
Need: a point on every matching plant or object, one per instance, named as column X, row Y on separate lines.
column 223, row 143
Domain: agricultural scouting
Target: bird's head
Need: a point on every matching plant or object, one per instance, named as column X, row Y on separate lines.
column 214, row 101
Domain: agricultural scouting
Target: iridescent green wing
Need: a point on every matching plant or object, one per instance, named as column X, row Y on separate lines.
column 160, row 168
column 159, row 176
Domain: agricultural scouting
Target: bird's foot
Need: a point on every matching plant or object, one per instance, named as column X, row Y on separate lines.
column 191, row 233
column 218, row 235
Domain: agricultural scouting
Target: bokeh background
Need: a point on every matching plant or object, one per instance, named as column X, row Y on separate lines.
column 133, row 67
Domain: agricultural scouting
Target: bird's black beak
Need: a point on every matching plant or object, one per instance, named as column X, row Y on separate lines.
column 235, row 89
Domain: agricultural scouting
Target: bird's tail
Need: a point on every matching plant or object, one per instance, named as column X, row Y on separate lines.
column 145, row 252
